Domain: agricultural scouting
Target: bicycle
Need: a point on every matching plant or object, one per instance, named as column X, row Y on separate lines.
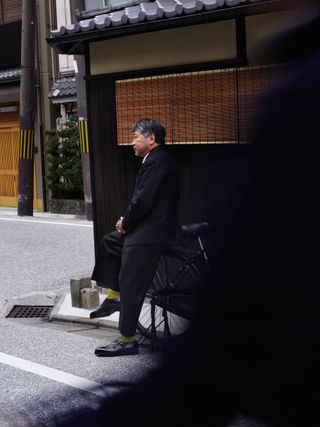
column 174, row 297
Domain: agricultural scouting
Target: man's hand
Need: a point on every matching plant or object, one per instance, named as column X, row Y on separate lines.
column 119, row 225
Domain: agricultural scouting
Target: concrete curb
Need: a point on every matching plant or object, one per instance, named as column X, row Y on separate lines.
column 64, row 312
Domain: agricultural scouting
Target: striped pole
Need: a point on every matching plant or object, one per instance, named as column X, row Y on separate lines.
column 85, row 163
column 26, row 146
column 84, row 139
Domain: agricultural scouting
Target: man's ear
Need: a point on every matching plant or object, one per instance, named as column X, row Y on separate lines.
column 152, row 138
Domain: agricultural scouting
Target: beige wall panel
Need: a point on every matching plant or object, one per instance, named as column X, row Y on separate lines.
column 199, row 43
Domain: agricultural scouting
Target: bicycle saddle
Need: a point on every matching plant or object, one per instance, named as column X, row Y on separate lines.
column 194, row 228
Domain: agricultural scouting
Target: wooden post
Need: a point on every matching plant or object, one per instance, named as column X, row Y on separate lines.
column 27, row 108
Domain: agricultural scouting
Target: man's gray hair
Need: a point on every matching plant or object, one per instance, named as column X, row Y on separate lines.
column 147, row 126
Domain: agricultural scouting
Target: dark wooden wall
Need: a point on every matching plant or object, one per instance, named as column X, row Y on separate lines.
column 10, row 41
column 211, row 175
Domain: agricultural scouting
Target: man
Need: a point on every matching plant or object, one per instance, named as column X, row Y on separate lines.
column 128, row 257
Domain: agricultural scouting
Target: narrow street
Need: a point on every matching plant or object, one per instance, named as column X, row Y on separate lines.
column 49, row 367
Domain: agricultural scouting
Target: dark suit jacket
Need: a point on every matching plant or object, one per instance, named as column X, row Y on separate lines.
column 152, row 215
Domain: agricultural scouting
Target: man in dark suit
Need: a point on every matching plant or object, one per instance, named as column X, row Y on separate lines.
column 128, row 257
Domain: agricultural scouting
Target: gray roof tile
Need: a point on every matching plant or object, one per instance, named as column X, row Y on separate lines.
column 119, row 18
column 152, row 10
column 100, row 21
column 148, row 11
column 10, row 74
column 64, row 87
column 135, row 14
column 170, row 7
column 192, row 6
column 212, row 4
column 85, row 25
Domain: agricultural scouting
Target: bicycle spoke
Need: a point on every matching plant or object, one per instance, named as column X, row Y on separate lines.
column 176, row 277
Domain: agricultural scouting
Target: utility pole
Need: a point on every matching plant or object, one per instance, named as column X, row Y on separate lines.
column 27, row 108
column 83, row 118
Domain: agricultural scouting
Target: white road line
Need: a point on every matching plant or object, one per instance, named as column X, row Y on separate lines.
column 46, row 222
column 53, row 374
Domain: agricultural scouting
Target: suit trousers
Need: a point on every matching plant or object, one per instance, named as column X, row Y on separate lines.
column 129, row 269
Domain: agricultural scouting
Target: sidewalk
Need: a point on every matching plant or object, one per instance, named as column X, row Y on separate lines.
column 65, row 312
column 13, row 212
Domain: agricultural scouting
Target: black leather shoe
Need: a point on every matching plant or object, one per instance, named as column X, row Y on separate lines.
column 118, row 348
column 108, row 307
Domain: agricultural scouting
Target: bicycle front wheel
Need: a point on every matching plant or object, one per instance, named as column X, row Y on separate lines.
column 169, row 302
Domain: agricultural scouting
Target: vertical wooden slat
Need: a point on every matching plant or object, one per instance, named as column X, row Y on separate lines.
column 9, row 146
column 14, row 157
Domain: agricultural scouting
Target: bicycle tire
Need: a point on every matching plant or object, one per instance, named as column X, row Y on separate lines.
column 168, row 303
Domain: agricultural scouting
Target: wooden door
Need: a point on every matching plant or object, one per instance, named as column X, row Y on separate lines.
column 9, row 161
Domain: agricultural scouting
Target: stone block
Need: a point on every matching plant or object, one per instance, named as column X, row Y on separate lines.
column 89, row 298
column 76, row 284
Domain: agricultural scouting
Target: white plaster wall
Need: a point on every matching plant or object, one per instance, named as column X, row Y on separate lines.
column 64, row 18
column 198, row 43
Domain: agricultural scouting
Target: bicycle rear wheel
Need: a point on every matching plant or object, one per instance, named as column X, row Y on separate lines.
column 169, row 302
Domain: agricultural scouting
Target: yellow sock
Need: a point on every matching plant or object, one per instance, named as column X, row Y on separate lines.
column 128, row 339
column 111, row 294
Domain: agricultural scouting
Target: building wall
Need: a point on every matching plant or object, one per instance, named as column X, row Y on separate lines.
column 194, row 44
column 10, row 29
column 207, row 171
column 10, row 52
column 64, row 18
column 10, row 97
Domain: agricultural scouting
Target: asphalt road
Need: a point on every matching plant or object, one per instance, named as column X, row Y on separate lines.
column 48, row 368
column 42, row 253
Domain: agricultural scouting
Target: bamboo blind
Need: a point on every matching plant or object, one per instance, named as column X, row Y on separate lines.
column 208, row 107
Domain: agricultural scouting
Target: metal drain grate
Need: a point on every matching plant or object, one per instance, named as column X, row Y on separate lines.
column 20, row 311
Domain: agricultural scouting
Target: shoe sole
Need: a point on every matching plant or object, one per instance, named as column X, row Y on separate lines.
column 116, row 353
column 103, row 314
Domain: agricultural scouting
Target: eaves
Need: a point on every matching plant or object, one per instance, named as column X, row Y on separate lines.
column 74, row 42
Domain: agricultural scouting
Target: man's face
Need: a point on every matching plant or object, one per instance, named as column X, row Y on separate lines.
column 142, row 144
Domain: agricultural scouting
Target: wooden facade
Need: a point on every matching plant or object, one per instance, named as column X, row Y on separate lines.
column 10, row 29
column 209, row 171
column 9, row 158
column 201, row 82
column 10, row 52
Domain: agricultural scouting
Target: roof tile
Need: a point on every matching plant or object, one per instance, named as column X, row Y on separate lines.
column 135, row 14
column 10, row 74
column 152, row 10
column 64, row 87
column 149, row 11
